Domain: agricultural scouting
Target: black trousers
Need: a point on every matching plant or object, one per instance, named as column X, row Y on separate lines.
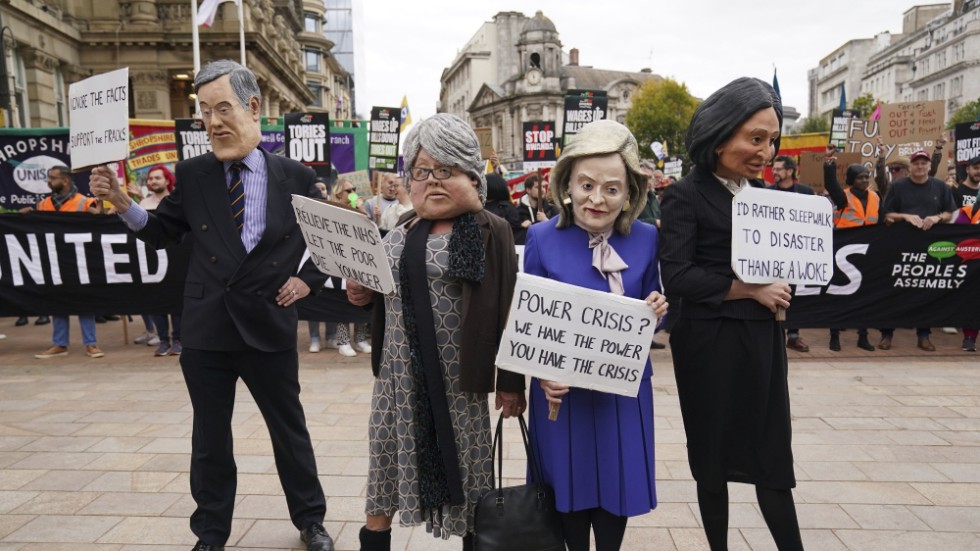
column 273, row 380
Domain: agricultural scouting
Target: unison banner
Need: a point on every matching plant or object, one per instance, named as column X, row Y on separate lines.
column 897, row 276
column 26, row 155
column 74, row 263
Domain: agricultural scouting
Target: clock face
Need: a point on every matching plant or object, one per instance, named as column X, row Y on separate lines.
column 533, row 76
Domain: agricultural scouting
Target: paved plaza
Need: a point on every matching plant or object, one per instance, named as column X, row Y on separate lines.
column 94, row 453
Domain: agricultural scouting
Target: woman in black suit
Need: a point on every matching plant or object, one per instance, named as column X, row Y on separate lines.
column 729, row 357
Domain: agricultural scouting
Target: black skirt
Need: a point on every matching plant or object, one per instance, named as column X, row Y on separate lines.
column 734, row 396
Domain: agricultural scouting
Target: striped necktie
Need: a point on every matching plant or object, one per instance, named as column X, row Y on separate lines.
column 236, row 194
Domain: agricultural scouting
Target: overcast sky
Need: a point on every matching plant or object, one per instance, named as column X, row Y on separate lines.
column 403, row 46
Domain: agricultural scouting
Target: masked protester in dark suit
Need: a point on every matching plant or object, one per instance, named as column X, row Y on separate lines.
column 729, row 357
column 239, row 315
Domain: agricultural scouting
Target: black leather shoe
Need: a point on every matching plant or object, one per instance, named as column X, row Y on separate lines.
column 201, row 546
column 21, row 321
column 316, row 538
column 111, row 317
column 42, row 320
column 654, row 345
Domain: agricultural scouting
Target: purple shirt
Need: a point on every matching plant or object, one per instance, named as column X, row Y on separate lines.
column 255, row 178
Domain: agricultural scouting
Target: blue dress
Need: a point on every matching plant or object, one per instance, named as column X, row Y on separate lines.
column 599, row 453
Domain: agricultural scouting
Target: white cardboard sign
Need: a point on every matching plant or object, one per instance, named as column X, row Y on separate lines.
column 578, row 337
column 344, row 243
column 99, row 117
column 780, row 236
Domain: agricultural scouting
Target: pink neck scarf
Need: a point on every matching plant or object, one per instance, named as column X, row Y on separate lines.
column 607, row 261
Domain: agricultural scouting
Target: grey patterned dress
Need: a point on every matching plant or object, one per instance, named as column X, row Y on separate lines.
column 393, row 478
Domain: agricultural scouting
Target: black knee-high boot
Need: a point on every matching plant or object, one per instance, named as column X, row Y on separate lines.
column 375, row 541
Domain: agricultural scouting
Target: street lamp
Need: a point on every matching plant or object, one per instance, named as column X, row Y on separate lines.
column 4, row 77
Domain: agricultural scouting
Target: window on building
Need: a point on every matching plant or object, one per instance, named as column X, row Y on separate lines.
column 956, row 87
column 317, row 89
column 536, row 60
column 923, row 94
column 311, row 22
column 59, row 97
column 939, row 91
column 21, row 98
column 313, row 60
column 959, row 52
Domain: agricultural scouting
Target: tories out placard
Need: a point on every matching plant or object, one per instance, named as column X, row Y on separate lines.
column 383, row 148
column 967, row 146
column 307, row 140
column 581, row 108
column 539, row 145
column 98, row 110
column 344, row 243
column 910, row 122
column 191, row 137
column 782, row 237
column 579, row 337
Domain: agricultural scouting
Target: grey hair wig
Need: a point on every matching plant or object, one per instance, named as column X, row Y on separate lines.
column 242, row 80
column 719, row 116
column 449, row 140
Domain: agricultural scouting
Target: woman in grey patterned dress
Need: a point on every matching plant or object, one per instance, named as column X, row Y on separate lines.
column 436, row 339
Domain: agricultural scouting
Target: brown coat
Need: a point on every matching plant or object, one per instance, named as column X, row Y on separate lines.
column 485, row 307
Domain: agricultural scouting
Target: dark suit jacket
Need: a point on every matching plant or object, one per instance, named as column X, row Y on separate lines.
column 696, row 249
column 229, row 295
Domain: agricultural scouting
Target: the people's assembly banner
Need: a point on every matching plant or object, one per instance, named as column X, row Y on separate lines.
column 383, row 151
column 540, row 145
column 896, row 276
column 308, row 140
column 74, row 263
column 26, row 155
column 581, row 108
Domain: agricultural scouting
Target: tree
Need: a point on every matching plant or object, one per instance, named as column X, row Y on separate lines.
column 661, row 112
column 968, row 113
column 816, row 123
column 865, row 105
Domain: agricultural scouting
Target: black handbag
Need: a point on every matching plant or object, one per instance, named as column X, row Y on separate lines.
column 517, row 518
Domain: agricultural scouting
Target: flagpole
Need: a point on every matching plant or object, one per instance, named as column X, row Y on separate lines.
column 241, row 29
column 196, row 39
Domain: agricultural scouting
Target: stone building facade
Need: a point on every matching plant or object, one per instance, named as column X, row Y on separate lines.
column 50, row 44
column 514, row 70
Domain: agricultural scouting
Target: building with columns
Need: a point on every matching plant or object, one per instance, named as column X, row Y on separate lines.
column 514, row 70
column 50, row 44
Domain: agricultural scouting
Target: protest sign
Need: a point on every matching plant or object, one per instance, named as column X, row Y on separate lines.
column 673, row 166
column 967, row 146
column 383, row 150
column 191, row 138
column 578, row 337
column 839, row 124
column 344, row 243
column 782, row 237
column 151, row 143
column 909, row 122
column 361, row 181
column 811, row 168
column 26, row 155
column 484, row 135
column 581, row 108
column 99, row 117
column 307, row 139
column 539, row 145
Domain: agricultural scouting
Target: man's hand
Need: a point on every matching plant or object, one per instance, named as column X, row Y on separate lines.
column 541, row 216
column 513, row 403
column 294, row 289
column 357, row 294
column 915, row 220
column 773, row 295
column 105, row 185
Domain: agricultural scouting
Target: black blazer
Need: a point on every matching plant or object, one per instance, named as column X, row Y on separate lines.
column 696, row 249
column 229, row 295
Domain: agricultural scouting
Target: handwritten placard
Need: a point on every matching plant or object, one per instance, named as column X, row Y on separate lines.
column 811, row 168
column 575, row 336
column 484, row 135
column 915, row 121
column 344, row 243
column 780, row 236
column 98, row 110
column 361, row 181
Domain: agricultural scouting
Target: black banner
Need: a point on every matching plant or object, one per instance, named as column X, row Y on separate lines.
column 581, row 108
column 967, row 137
column 897, row 276
column 383, row 151
column 308, row 139
column 74, row 263
column 539, row 145
column 191, row 138
column 26, row 155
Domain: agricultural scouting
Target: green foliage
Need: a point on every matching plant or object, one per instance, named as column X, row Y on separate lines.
column 661, row 112
column 865, row 105
column 968, row 113
column 814, row 124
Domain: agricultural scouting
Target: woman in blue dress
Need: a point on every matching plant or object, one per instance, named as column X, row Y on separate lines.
column 598, row 454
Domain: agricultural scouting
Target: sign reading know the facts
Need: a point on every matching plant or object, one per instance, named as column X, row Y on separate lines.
column 99, row 116
column 191, row 137
column 307, row 139
column 383, row 151
column 780, row 236
column 344, row 243
column 539, row 145
column 578, row 337
column 581, row 108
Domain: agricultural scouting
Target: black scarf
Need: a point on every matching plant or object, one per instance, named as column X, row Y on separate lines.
column 440, row 481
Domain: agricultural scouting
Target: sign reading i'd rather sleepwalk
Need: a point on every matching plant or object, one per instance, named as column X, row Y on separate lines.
column 578, row 337
column 308, row 140
column 383, row 151
column 344, row 243
column 98, row 109
column 782, row 237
